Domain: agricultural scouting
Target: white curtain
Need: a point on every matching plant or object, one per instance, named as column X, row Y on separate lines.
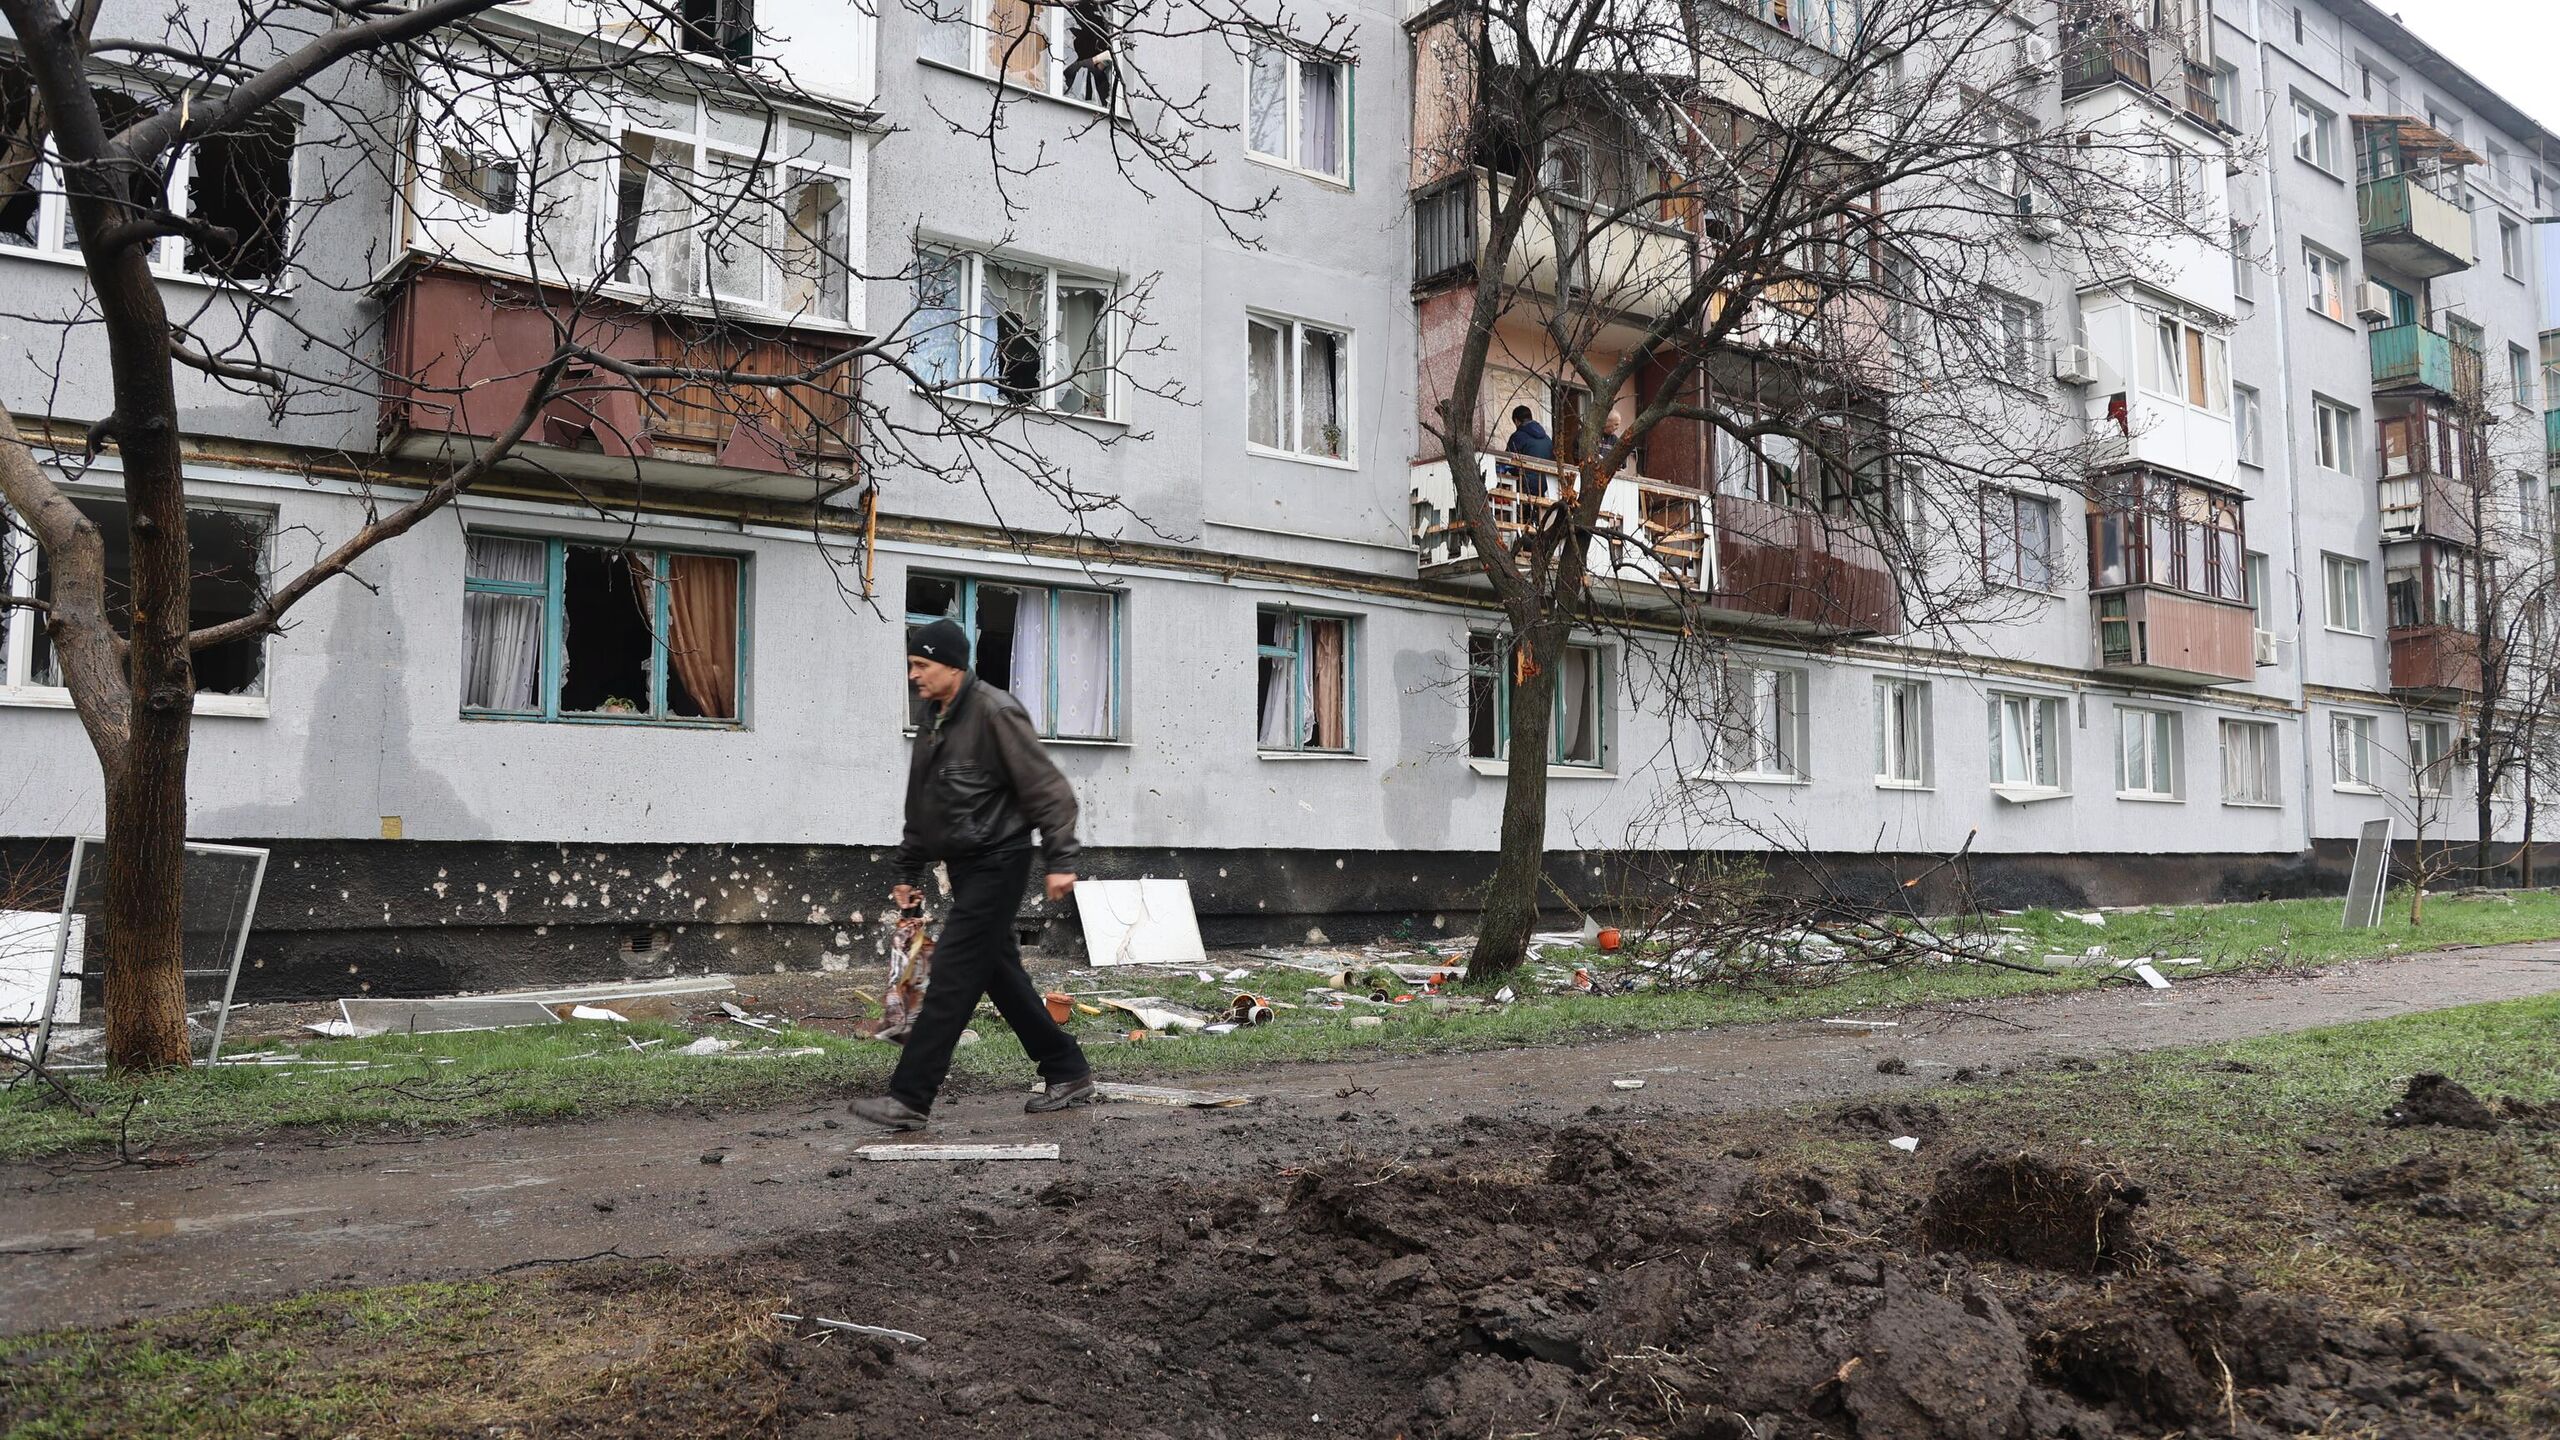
column 1084, row 664
column 1277, row 688
column 502, row 634
column 1578, row 741
column 1031, row 656
column 1320, row 401
column 1320, row 118
column 1266, row 384
column 1267, row 124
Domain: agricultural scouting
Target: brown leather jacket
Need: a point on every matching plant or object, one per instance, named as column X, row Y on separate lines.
column 978, row 782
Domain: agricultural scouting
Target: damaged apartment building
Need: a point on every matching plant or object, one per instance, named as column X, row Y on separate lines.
column 636, row 704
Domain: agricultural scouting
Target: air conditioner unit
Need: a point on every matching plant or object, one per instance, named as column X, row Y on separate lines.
column 2033, row 220
column 2075, row 365
column 2373, row 301
column 2262, row 646
column 2034, row 53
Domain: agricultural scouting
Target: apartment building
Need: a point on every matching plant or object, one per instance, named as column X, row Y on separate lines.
column 637, row 705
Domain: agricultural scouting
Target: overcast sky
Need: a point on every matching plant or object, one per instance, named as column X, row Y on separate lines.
column 2513, row 46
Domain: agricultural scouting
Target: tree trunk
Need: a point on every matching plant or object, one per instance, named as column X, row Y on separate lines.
column 1511, row 898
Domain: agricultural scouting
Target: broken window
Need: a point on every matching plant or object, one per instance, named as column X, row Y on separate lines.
column 720, row 27
column 1579, row 720
column 558, row 630
column 1758, row 730
column 2026, row 742
column 1054, row 649
column 240, row 181
column 1014, row 334
column 1902, row 733
column 1068, row 50
column 228, row 555
column 1303, row 681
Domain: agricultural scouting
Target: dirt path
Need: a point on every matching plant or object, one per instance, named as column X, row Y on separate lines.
column 281, row 1218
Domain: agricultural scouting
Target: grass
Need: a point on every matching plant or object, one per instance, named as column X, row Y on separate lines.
column 588, row 1068
column 2239, row 1162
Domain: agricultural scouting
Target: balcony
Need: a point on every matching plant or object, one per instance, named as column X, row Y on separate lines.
column 1749, row 562
column 2429, row 506
column 2412, row 229
column 2413, row 357
column 2434, row 661
column 463, row 351
column 2149, row 632
column 2112, row 52
column 2551, row 437
column 1629, row 265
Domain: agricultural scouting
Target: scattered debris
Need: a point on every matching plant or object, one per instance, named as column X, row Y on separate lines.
column 1165, row 1095
column 594, row 1012
column 2410, row 1178
column 1868, row 1024
column 715, row 1157
column 1139, row 922
column 1158, row 1014
column 2435, row 1100
column 903, row 1337
column 1626, row 1084
column 2150, row 977
column 2090, row 917
column 423, row 1017
column 1907, row 1144
column 1893, row 1065
column 743, row 1018
column 917, row 1151
column 707, row 1045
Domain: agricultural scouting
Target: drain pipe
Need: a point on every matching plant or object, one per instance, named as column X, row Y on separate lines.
column 2285, row 405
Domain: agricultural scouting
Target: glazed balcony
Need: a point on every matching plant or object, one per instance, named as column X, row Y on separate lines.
column 463, row 350
column 2411, row 228
column 2435, row 661
column 2428, row 506
column 2174, row 637
column 2413, row 357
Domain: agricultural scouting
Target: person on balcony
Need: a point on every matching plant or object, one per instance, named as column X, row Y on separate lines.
column 1529, row 438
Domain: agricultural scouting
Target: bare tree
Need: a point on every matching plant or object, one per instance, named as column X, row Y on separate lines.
column 1776, row 295
column 629, row 239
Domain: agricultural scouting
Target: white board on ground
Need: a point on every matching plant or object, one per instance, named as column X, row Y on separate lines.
column 919, row 1151
column 26, row 964
column 1139, row 922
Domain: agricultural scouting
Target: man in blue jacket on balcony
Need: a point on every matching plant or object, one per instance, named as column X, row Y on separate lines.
column 1529, row 438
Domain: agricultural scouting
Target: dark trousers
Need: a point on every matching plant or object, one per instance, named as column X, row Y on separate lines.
column 978, row 955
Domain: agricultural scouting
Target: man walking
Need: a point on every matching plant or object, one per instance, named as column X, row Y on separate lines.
column 977, row 785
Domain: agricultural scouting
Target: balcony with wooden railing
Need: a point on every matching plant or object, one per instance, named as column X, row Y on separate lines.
column 463, row 351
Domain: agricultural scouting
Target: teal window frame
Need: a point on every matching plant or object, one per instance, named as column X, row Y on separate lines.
column 1490, row 662
column 1294, row 622
column 553, row 593
column 965, row 591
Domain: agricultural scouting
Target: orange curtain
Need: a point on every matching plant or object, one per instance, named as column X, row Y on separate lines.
column 1018, row 42
column 702, row 631
column 1326, row 672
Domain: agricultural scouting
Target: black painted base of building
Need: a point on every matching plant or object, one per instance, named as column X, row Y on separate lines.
column 392, row 918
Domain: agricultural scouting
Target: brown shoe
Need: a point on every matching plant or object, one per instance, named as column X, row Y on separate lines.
column 1065, row 1095
column 890, row 1113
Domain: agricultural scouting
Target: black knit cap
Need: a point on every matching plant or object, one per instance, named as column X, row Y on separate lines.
column 941, row 642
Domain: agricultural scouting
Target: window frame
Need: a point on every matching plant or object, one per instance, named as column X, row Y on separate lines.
column 553, row 593
column 1296, row 654
column 2014, row 576
column 2351, row 569
column 2268, row 739
column 973, row 22
column 18, row 560
column 2440, row 765
column 1500, row 675
column 965, row 595
column 1917, row 748
column 2521, row 367
column 2017, row 328
column 2318, row 125
column 1292, row 116
column 2046, row 722
column 168, row 254
column 2248, row 425
column 1735, row 728
column 2244, row 271
column 1292, row 341
column 2163, row 743
column 2511, row 249
column 2173, row 376
column 2328, row 274
column 2353, row 780
column 970, row 378
column 2327, row 414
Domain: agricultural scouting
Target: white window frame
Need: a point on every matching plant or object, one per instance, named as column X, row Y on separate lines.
column 2170, row 376
column 2315, row 135
column 2431, row 758
column 2266, row 750
column 2005, row 551
column 2259, row 571
column 2333, row 436
column 1904, row 753
column 2327, row 272
column 2511, row 248
column 18, row 684
column 1045, row 718
column 2150, row 763
column 2343, row 582
column 970, row 19
column 971, row 367
column 1293, row 117
column 1292, row 334
column 166, row 256
column 2017, row 328
column 1598, row 672
column 784, row 152
column 2351, row 753
column 2038, row 724
column 2520, row 368
column 2244, row 270
column 1760, row 731
column 2248, row 425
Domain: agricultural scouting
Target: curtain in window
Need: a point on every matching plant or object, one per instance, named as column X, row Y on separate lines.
column 1320, row 117
column 1013, row 306
column 1018, row 42
column 1030, row 660
column 1328, row 685
column 1279, row 685
column 1084, row 324
column 502, row 634
column 1084, row 664
column 702, row 632
column 1578, row 737
column 1267, row 384
column 1267, row 105
column 818, row 232
column 1320, row 406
